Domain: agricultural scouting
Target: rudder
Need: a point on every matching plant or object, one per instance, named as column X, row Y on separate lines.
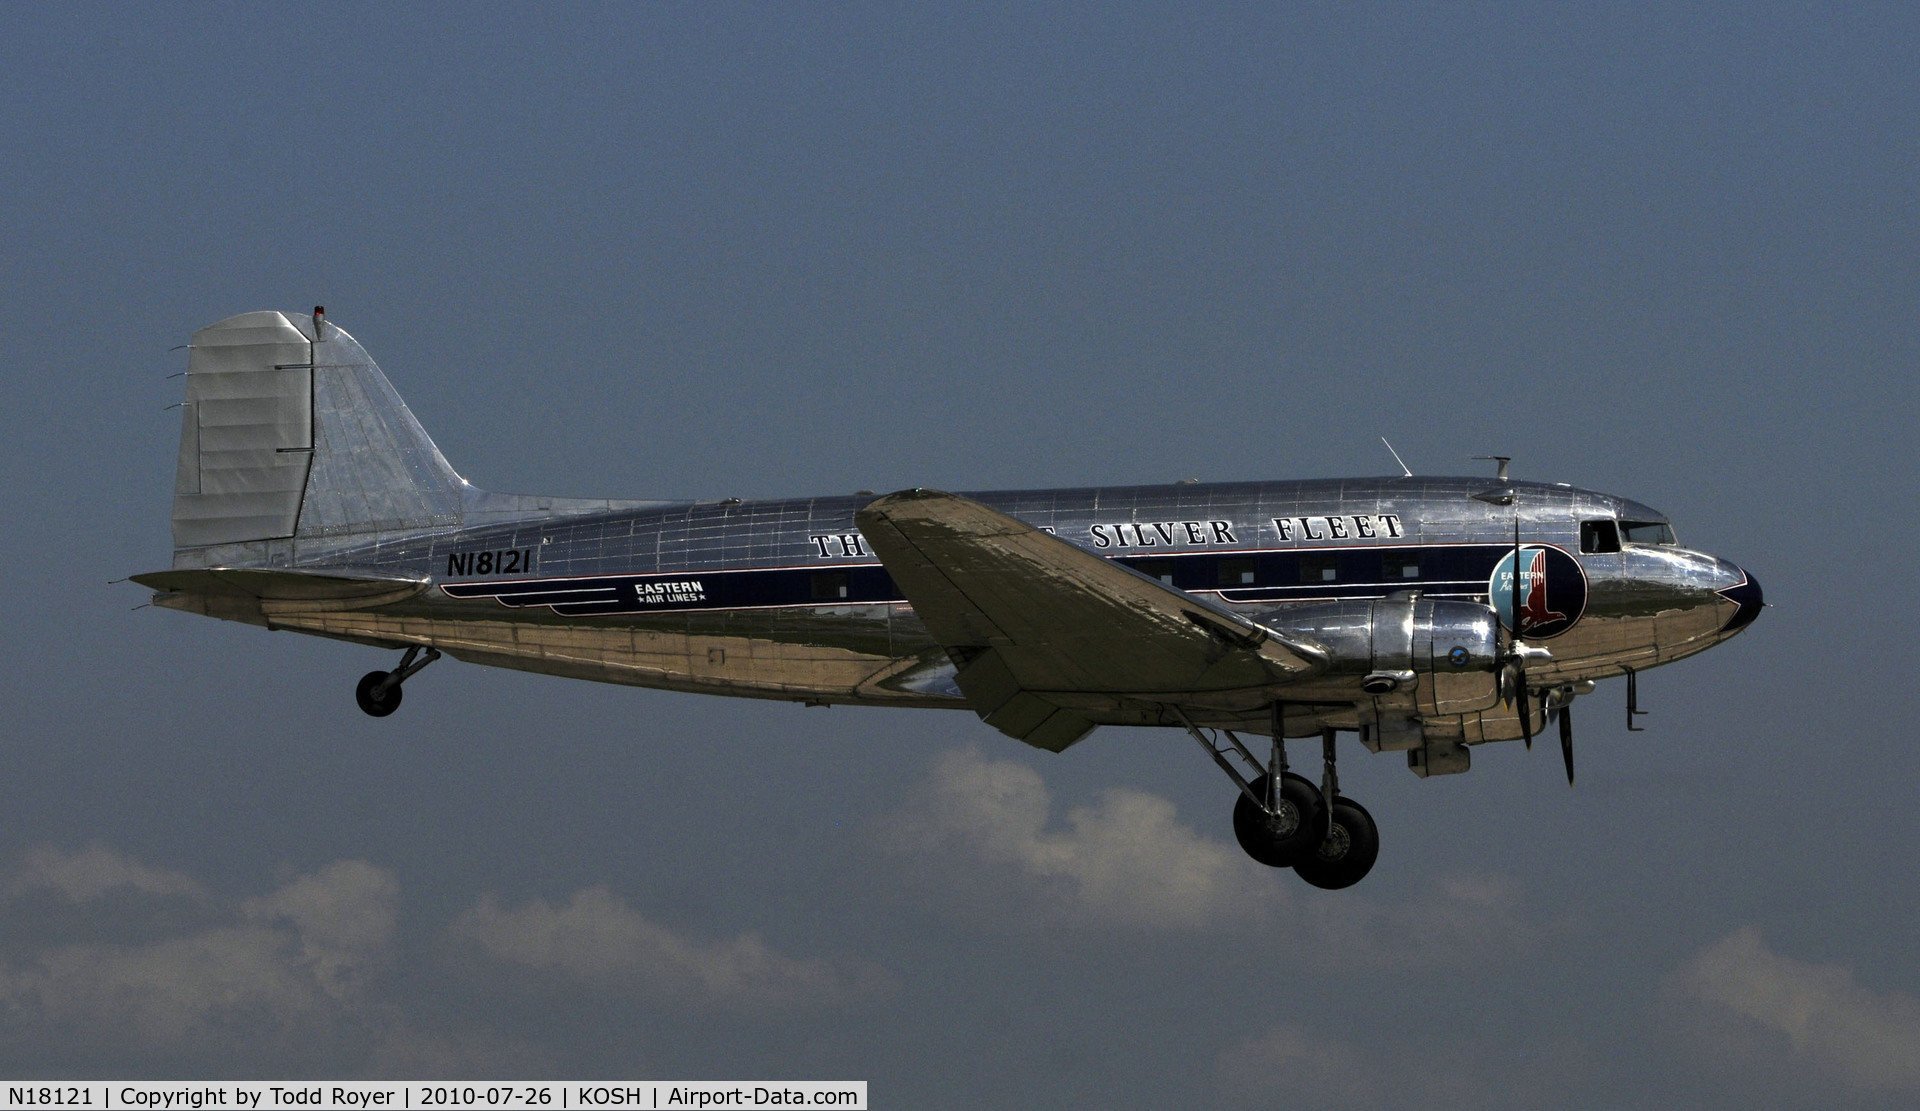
column 290, row 432
column 246, row 432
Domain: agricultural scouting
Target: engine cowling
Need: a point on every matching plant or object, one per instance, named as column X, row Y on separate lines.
column 1409, row 654
column 1412, row 658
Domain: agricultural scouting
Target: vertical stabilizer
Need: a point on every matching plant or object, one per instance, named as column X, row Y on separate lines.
column 292, row 438
column 374, row 468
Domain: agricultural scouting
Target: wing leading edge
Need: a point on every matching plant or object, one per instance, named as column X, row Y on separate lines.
column 1030, row 619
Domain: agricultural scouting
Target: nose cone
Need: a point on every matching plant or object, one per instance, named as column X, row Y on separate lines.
column 1745, row 595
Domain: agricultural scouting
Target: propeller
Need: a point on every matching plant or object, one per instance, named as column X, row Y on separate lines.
column 1513, row 670
column 1517, row 691
column 1566, row 739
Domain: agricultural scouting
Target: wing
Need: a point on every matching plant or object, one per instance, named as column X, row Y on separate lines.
column 1033, row 622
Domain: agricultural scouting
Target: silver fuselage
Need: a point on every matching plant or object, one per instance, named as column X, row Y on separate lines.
column 783, row 599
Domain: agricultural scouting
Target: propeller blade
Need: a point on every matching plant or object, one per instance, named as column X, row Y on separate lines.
column 1526, row 718
column 1518, row 632
column 1566, row 740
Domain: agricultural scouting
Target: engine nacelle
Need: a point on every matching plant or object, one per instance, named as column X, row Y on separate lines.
column 1413, row 658
column 1410, row 655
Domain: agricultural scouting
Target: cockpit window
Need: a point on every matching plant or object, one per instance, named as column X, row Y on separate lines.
column 1599, row 537
column 1647, row 532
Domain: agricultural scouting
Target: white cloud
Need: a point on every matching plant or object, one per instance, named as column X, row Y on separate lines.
column 596, row 939
column 296, row 980
column 168, row 993
column 1297, row 1066
column 1458, row 919
column 87, row 874
column 1827, row 1020
column 272, row 976
column 1127, row 860
column 344, row 916
column 409, row 1054
column 1292, row 1066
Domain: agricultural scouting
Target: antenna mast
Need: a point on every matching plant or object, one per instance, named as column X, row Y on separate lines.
column 1405, row 470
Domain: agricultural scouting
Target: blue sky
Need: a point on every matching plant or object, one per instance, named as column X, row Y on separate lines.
column 752, row 251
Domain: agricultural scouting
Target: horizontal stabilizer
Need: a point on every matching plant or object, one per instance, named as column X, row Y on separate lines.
column 283, row 589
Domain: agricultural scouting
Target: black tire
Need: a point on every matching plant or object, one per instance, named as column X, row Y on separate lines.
column 1278, row 848
column 364, row 694
column 1346, row 856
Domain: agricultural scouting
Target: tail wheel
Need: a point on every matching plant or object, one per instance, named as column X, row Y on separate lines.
column 1347, row 854
column 372, row 699
column 1280, row 839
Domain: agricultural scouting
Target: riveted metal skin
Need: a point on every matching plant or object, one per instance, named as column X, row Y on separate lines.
column 1234, row 595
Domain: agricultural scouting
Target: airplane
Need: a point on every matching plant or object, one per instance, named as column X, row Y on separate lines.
column 1425, row 615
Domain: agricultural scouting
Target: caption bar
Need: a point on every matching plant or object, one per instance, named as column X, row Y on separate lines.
column 369, row 1095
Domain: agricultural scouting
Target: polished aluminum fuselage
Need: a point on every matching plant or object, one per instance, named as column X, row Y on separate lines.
column 783, row 599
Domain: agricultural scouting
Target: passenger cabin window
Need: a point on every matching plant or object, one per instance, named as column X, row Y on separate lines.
column 1599, row 537
column 830, row 586
column 1236, row 572
column 1400, row 565
column 1647, row 532
column 1318, row 569
column 1161, row 569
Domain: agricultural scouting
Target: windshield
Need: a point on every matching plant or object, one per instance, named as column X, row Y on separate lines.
column 1647, row 532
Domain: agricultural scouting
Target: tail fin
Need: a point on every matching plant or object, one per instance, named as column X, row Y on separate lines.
column 290, row 433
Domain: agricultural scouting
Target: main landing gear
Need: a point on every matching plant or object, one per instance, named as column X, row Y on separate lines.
column 1352, row 842
column 379, row 691
column 1326, row 838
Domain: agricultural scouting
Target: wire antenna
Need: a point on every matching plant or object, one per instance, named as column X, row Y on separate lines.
column 1404, row 469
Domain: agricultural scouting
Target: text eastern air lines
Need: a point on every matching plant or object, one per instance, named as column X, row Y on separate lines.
column 585, row 597
column 755, row 588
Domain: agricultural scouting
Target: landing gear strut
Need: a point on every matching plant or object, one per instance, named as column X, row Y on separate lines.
column 1275, row 825
column 1351, row 842
column 1325, row 837
column 379, row 691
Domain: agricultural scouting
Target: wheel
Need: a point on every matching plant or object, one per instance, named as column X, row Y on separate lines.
column 1348, row 853
column 378, row 706
column 1276, row 842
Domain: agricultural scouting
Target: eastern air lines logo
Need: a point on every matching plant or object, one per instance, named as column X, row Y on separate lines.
column 1553, row 591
